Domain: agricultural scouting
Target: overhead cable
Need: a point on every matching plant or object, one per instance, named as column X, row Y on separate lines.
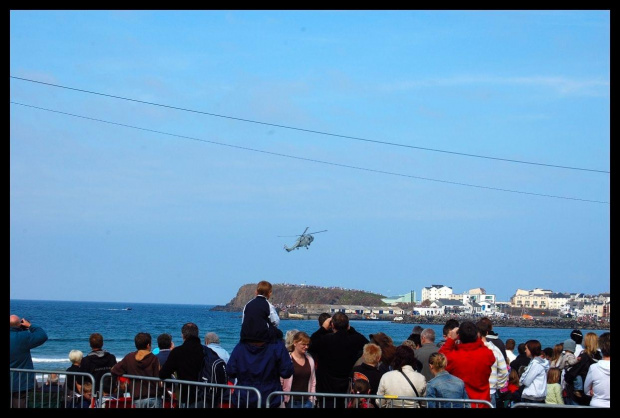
column 310, row 159
column 463, row 154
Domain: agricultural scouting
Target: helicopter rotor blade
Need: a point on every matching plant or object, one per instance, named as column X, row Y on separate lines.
column 310, row 233
column 304, row 233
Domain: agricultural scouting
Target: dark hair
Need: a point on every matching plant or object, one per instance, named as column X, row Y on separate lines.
column 189, row 330
column 603, row 344
column 323, row 317
column 361, row 386
column 521, row 348
column 96, row 340
column 484, row 326
column 417, row 329
column 576, row 336
column 403, row 356
column 416, row 338
column 340, row 321
column 548, row 352
column 534, row 347
column 450, row 325
column 468, row 333
column 510, row 344
column 164, row 341
column 142, row 340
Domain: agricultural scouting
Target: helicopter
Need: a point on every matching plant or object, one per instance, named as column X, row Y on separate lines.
column 304, row 240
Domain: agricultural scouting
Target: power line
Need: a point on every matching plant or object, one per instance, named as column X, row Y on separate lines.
column 463, row 154
column 310, row 159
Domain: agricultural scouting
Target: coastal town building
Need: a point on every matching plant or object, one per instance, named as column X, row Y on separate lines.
column 436, row 291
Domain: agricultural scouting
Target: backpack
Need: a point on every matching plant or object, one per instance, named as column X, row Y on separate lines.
column 213, row 370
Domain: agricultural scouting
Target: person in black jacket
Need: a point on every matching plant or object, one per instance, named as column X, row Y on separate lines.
column 186, row 361
column 522, row 360
column 336, row 353
column 98, row 362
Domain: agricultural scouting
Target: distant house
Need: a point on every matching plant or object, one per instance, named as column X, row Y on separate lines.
column 435, row 292
column 449, row 306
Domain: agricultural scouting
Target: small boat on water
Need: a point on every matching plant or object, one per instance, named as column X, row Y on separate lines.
column 127, row 309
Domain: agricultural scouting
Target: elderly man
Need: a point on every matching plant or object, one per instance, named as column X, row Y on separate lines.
column 212, row 340
column 428, row 347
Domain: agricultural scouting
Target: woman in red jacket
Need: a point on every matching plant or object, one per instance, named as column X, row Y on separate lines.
column 470, row 360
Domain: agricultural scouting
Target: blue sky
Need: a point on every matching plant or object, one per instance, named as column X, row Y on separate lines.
column 192, row 209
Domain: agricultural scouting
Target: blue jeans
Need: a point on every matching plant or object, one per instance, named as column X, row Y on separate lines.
column 297, row 403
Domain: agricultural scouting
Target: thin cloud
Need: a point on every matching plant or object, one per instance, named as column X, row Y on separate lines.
column 562, row 85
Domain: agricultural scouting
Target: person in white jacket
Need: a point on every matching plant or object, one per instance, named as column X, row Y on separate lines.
column 597, row 383
column 534, row 377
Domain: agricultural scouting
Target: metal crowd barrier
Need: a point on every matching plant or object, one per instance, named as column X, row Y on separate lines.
column 129, row 391
column 346, row 400
column 43, row 395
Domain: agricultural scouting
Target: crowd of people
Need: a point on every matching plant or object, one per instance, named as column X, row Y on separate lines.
column 470, row 363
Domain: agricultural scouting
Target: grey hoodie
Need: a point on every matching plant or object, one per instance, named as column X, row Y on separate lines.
column 534, row 378
column 598, row 380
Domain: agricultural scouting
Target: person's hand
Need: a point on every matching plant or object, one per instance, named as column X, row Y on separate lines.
column 25, row 323
column 327, row 324
column 453, row 333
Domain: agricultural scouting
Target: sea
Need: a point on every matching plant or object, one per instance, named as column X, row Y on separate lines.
column 69, row 325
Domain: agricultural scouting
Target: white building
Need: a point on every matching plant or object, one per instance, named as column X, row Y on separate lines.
column 435, row 292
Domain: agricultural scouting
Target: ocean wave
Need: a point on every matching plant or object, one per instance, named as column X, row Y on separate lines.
column 50, row 360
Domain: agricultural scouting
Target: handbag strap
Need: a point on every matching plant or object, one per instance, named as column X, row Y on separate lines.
column 414, row 389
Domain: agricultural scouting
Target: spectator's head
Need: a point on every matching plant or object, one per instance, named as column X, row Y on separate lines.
column 75, row 356
column 371, row 354
column 381, row 339
column 15, row 321
column 409, row 343
column 189, row 330
column 468, row 333
column 557, row 351
column 427, row 336
column 510, row 344
column 164, row 341
column 489, row 324
column 264, row 288
column 438, row 362
column 590, row 345
column 450, row 325
column 521, row 348
column 513, row 377
column 534, row 347
column 576, row 336
column 143, row 341
column 603, row 344
column 107, row 385
column 416, row 339
column 548, row 352
column 212, row 338
column 553, row 375
column 403, row 356
column 87, row 390
column 417, row 329
column 360, row 386
column 323, row 317
column 340, row 321
column 288, row 339
column 96, row 341
column 301, row 339
column 570, row 346
column 484, row 326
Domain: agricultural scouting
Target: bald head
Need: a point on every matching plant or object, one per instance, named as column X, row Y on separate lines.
column 15, row 321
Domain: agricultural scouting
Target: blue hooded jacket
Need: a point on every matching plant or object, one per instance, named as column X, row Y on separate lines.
column 261, row 367
column 21, row 341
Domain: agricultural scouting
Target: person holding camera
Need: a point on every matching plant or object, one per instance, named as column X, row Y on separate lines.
column 23, row 337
